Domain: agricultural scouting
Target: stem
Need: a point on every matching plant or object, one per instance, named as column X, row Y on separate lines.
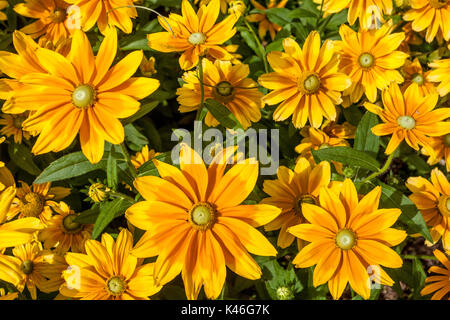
column 202, row 89
column 121, row 195
column 132, row 169
column 383, row 169
column 320, row 14
column 260, row 46
column 422, row 257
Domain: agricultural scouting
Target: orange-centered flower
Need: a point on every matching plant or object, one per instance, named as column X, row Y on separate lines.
column 194, row 34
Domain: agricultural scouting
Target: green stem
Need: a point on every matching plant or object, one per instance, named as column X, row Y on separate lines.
column 202, row 89
column 121, row 195
column 320, row 14
column 383, row 169
column 132, row 169
column 422, row 257
column 260, row 46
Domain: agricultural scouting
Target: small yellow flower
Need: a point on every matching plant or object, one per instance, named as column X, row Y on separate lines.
column 8, row 296
column 414, row 76
column 147, row 66
column 223, row 4
column 441, row 150
column 264, row 24
column 441, row 281
column 98, row 192
column 440, row 73
column 237, row 7
column 12, row 126
column 142, row 157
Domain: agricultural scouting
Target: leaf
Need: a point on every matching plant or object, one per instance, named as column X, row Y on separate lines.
column 108, row 212
column 23, row 158
column 135, row 139
column 411, row 217
column 143, row 110
column 279, row 16
column 348, row 156
column 222, row 114
column 68, row 166
column 365, row 140
column 302, row 13
column 88, row 216
column 112, row 177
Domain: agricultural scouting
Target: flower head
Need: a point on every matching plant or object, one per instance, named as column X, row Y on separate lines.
column 414, row 76
column 441, row 150
column 264, row 24
column 12, row 126
column 441, row 281
column 440, row 73
column 143, row 156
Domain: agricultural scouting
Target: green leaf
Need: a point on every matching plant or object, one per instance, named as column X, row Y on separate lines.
column 277, row 277
column 89, row 216
column 68, row 166
column 302, row 13
column 135, row 140
column 222, row 114
column 279, row 16
column 411, row 217
column 365, row 140
column 112, row 177
column 149, row 169
column 23, row 158
column 108, row 212
column 143, row 110
column 348, row 156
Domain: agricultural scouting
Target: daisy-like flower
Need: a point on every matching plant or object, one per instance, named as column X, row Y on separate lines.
column 264, row 24
column 12, row 126
column 433, row 15
column 414, row 76
column 433, row 201
column 116, row 13
column 441, row 281
column 195, row 222
column 441, row 150
column 52, row 19
column 80, row 93
column 367, row 11
column 98, row 192
column 35, row 201
column 143, row 156
column 349, row 240
column 306, row 81
column 223, row 4
column 440, row 73
column 227, row 84
column 370, row 58
column 3, row 5
column 194, row 34
column 289, row 191
column 409, row 117
column 237, row 7
column 63, row 233
column 33, row 267
column 108, row 271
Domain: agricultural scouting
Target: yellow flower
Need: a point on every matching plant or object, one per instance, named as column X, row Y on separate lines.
column 433, row 201
column 194, row 34
column 441, row 281
column 409, row 117
column 82, row 94
column 237, row 7
column 98, row 192
column 32, row 267
column 306, row 81
column 108, row 271
column 440, row 73
column 142, row 157
column 105, row 13
column 350, row 240
column 370, row 58
column 147, row 66
column 433, row 15
column 441, row 150
column 52, row 15
column 195, row 224
column 223, row 4
column 368, row 12
column 63, row 233
column 3, row 5
column 226, row 84
column 8, row 296
column 12, row 126
column 289, row 191
column 264, row 23
column 414, row 76
column 36, row 201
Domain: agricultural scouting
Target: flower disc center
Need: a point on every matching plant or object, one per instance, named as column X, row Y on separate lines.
column 446, row 140
column 406, row 122
column 366, row 60
column 202, row 215
column 116, row 286
column 345, row 239
column 311, row 83
column 59, row 15
column 224, row 89
column 18, row 121
column 437, row 4
column 197, row 38
column 304, row 198
column 444, row 206
column 32, row 205
column 84, row 96
column 419, row 79
column 27, row 267
column 69, row 225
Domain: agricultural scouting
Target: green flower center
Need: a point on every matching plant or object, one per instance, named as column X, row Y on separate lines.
column 284, row 293
column 18, row 121
column 345, row 239
column 304, row 198
column 116, row 286
column 84, row 96
column 444, row 205
column 69, row 225
column 312, row 83
column 197, row 38
column 366, row 60
column 418, row 78
column 202, row 216
column 27, row 267
column 437, row 4
column 406, row 122
column 224, row 89
column 446, row 140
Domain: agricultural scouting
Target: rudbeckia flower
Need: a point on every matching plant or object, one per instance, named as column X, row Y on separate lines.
column 108, row 271
column 81, row 93
column 350, row 240
column 440, row 73
column 143, row 156
column 370, row 58
column 306, row 81
column 194, row 34
column 195, row 222
column 12, row 126
column 223, row 4
column 52, row 15
column 115, row 13
column 441, row 281
column 264, row 24
column 414, row 76
column 289, row 191
column 433, row 15
column 226, row 83
column 409, row 117
column 433, row 201
column 367, row 11
column 441, row 150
